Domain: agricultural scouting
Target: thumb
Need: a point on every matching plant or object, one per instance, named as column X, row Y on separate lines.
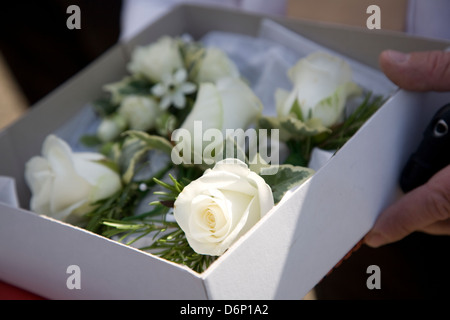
column 426, row 208
column 417, row 71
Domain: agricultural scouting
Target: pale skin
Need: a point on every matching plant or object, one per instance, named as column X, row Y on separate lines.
column 426, row 208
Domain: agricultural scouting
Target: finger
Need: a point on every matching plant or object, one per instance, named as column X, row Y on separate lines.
column 415, row 211
column 438, row 228
column 417, row 71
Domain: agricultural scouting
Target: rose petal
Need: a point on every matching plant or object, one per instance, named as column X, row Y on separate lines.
column 199, row 228
column 316, row 79
column 58, row 154
column 331, row 109
column 207, row 108
column 238, row 98
column 67, row 189
column 104, row 182
column 37, row 172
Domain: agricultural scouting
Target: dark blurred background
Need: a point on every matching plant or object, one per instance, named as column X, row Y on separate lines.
column 39, row 48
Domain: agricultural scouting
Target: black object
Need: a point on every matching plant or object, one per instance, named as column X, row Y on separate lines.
column 433, row 153
column 416, row 267
column 42, row 52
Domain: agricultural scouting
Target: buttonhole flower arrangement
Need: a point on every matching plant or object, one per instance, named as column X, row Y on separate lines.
column 133, row 189
column 315, row 113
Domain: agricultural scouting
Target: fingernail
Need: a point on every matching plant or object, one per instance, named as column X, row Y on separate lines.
column 397, row 56
column 374, row 240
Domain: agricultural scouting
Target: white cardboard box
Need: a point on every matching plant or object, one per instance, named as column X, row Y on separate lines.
column 290, row 249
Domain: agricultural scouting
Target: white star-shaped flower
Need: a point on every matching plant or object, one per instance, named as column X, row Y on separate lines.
column 172, row 89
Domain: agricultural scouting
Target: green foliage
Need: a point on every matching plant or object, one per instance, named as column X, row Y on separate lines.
column 120, row 205
column 151, row 141
column 343, row 132
column 302, row 136
column 136, row 86
column 104, row 107
column 115, row 218
column 169, row 241
column 90, row 141
column 292, row 128
column 285, row 178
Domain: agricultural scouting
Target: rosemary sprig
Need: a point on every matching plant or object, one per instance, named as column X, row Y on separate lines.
column 114, row 218
column 168, row 197
column 174, row 246
column 120, row 205
column 169, row 241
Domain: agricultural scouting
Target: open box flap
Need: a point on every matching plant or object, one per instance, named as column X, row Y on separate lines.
column 44, row 249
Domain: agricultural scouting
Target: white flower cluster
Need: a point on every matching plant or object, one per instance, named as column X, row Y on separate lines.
column 163, row 66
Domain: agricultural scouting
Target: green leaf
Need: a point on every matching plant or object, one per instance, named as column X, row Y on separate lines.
column 152, row 142
column 298, row 128
column 292, row 128
column 104, row 107
column 109, row 164
column 343, row 132
column 123, row 225
column 138, row 143
column 297, row 110
column 273, row 123
column 130, row 153
column 90, row 141
column 129, row 173
column 299, row 153
column 168, row 197
column 136, row 86
column 285, row 178
column 192, row 54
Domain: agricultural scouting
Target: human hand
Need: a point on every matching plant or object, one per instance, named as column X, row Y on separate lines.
column 426, row 208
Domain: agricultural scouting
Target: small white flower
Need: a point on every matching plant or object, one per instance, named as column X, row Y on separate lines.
column 172, row 89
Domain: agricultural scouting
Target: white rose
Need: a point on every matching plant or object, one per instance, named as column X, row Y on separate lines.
column 222, row 205
column 229, row 104
column 322, row 84
column 111, row 127
column 64, row 184
column 157, row 59
column 215, row 65
column 140, row 112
